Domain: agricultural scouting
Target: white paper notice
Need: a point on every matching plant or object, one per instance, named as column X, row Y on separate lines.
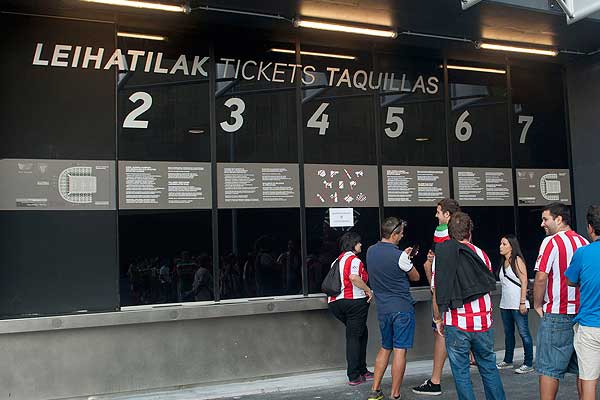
column 341, row 217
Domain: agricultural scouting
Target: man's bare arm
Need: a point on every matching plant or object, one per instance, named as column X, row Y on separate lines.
column 539, row 291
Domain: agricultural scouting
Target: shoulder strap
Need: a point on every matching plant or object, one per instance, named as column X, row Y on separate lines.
column 509, row 278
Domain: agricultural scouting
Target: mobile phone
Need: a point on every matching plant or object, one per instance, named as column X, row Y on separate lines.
column 414, row 251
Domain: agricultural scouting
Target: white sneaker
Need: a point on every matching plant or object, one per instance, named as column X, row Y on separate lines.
column 504, row 365
column 523, row 369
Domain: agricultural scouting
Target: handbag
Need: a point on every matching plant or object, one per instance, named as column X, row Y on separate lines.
column 332, row 284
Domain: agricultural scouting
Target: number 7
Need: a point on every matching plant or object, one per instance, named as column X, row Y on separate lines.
column 528, row 119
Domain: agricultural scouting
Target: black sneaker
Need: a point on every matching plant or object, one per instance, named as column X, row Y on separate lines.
column 375, row 395
column 428, row 388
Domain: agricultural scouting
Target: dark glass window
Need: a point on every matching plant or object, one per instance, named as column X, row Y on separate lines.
column 259, row 253
column 531, row 235
column 538, row 123
column 490, row 224
column 337, row 115
column 165, row 116
column 165, row 256
column 411, row 111
column 165, row 250
column 421, row 224
column 478, row 122
column 323, row 240
column 256, row 102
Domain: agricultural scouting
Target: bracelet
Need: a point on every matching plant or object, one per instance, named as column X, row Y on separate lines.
column 522, row 302
column 437, row 321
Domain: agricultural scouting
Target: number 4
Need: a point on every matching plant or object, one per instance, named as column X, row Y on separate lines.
column 314, row 122
column 528, row 119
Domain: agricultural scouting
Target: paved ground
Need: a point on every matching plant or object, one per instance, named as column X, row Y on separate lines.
column 515, row 386
column 332, row 385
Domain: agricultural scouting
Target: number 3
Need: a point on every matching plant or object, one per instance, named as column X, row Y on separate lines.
column 236, row 114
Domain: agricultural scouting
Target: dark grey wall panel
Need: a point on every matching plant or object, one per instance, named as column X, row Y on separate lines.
column 583, row 85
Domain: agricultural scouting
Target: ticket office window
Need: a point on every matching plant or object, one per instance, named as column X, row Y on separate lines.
column 165, row 256
column 421, row 224
column 256, row 102
column 163, row 104
column 337, row 107
column 323, row 244
column 538, row 118
column 165, row 240
column 259, row 253
column 490, row 223
column 477, row 121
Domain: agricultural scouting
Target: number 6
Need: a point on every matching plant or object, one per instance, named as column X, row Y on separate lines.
column 461, row 125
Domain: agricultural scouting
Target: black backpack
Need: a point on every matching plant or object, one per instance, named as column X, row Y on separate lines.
column 332, row 284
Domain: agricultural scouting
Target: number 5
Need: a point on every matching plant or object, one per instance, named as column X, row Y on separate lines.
column 528, row 119
column 392, row 118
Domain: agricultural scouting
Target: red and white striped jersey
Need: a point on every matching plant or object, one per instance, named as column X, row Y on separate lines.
column 554, row 257
column 475, row 316
column 350, row 264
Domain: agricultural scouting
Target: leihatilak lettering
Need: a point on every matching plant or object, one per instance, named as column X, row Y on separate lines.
column 66, row 56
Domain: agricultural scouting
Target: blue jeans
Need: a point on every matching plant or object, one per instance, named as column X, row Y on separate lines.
column 458, row 345
column 510, row 318
column 555, row 353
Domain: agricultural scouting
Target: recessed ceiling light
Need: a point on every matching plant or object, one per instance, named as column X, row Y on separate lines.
column 476, row 69
column 529, row 50
column 314, row 53
column 329, row 26
column 141, row 36
column 143, row 4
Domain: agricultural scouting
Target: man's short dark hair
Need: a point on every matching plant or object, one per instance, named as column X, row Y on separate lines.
column 593, row 218
column 559, row 210
column 460, row 226
column 391, row 225
column 449, row 205
column 349, row 240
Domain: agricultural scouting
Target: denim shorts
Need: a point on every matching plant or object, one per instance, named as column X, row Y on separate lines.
column 397, row 330
column 555, row 354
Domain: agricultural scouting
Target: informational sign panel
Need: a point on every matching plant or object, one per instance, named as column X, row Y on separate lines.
column 538, row 187
column 329, row 185
column 414, row 186
column 341, row 217
column 258, row 185
column 57, row 184
column 164, row 185
column 483, row 186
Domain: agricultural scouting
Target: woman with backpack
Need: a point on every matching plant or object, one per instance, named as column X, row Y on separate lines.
column 351, row 306
column 514, row 305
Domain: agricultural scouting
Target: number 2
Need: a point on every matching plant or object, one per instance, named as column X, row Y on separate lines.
column 130, row 120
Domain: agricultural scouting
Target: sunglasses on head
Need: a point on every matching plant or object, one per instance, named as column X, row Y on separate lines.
column 401, row 223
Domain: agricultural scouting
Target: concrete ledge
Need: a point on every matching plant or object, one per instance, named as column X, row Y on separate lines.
column 178, row 312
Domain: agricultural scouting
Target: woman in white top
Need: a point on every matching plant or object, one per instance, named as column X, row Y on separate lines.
column 514, row 306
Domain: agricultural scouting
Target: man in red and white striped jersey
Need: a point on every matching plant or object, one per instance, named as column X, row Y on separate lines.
column 468, row 327
column 555, row 301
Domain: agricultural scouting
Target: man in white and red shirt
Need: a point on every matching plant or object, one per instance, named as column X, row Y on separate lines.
column 467, row 328
column 555, row 301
